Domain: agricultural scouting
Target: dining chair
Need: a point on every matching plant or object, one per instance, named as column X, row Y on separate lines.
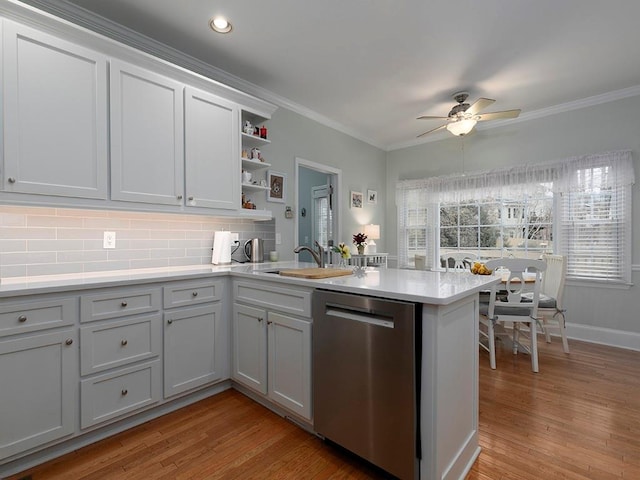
column 507, row 305
column 457, row 261
column 550, row 307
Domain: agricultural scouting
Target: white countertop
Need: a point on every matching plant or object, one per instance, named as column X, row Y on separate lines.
column 439, row 288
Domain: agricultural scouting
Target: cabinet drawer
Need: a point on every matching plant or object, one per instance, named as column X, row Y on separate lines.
column 37, row 315
column 118, row 303
column 192, row 293
column 118, row 343
column 288, row 300
column 115, row 394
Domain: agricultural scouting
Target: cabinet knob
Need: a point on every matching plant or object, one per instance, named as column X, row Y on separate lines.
column 195, row 294
column 179, row 197
column 68, row 341
column 124, row 392
column 269, row 322
column 123, row 342
column 11, row 180
column 124, row 304
column 22, row 318
column 169, row 321
column 190, row 198
column 260, row 319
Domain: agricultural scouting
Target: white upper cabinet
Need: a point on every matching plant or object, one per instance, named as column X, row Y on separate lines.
column 55, row 116
column 147, row 140
column 211, row 149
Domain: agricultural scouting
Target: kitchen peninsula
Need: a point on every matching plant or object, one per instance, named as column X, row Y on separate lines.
column 62, row 323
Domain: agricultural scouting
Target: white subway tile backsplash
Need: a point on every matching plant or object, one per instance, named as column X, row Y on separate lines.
column 48, row 241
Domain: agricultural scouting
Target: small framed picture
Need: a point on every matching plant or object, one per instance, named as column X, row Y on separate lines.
column 276, row 183
column 372, row 196
column 356, row 199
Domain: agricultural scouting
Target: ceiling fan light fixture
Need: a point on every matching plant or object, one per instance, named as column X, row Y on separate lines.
column 220, row 25
column 461, row 127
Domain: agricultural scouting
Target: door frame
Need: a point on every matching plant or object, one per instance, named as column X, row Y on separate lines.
column 336, row 174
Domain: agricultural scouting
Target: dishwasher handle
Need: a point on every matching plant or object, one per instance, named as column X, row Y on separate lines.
column 358, row 316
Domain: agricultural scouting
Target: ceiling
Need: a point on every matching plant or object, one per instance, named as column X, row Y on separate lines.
column 370, row 67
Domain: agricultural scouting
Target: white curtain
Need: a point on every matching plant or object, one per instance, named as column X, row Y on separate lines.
column 563, row 176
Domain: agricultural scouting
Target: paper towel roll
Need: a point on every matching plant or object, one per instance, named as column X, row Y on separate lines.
column 221, row 248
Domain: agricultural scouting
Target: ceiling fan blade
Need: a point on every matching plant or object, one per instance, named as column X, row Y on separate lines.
column 499, row 115
column 429, row 117
column 479, row 105
column 434, row 130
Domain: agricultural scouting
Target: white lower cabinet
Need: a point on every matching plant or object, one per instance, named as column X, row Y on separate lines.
column 121, row 327
column 271, row 348
column 112, row 395
column 193, row 349
column 37, row 390
column 195, row 335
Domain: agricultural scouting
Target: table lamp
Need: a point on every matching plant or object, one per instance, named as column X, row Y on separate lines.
column 373, row 233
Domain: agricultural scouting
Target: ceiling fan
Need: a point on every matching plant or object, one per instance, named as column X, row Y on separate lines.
column 463, row 117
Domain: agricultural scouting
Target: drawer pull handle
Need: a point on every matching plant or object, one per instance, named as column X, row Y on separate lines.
column 123, row 342
column 22, row 318
column 124, row 391
column 68, row 341
column 169, row 321
column 260, row 319
column 269, row 322
column 124, row 304
column 195, row 294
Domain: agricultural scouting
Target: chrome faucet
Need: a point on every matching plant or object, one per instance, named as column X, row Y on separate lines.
column 318, row 256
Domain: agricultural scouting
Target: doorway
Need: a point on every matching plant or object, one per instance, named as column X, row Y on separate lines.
column 318, row 201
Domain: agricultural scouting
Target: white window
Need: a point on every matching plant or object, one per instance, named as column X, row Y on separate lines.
column 595, row 226
column 579, row 207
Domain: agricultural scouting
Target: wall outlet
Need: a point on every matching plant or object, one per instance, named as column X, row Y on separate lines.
column 235, row 237
column 109, row 240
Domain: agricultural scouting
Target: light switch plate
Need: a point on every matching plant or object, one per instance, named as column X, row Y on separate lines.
column 109, row 240
column 278, row 238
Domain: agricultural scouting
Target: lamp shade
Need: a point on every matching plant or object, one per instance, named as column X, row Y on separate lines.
column 462, row 127
column 372, row 231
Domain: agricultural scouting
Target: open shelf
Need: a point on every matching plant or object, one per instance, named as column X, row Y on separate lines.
column 251, row 164
column 254, row 140
column 253, row 187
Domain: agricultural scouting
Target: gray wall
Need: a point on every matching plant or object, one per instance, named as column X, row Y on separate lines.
column 610, row 126
column 363, row 167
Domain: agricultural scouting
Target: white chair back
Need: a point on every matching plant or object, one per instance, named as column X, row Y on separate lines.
column 516, row 272
column 553, row 278
column 462, row 261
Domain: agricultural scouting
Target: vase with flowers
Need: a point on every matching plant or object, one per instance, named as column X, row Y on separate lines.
column 360, row 241
column 345, row 254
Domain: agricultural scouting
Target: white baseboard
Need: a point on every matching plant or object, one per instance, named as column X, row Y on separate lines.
column 603, row 336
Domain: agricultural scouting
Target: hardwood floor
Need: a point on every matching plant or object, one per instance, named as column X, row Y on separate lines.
column 579, row 418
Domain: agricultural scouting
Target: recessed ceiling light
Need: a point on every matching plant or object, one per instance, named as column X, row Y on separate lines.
column 220, row 25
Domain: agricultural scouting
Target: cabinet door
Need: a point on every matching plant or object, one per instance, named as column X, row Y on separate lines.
column 211, row 151
column 147, row 142
column 290, row 363
column 55, row 116
column 194, row 348
column 250, row 347
column 38, row 400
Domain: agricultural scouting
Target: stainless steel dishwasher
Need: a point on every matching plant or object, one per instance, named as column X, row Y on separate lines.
column 366, row 354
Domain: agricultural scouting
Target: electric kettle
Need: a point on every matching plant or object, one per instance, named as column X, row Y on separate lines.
column 254, row 250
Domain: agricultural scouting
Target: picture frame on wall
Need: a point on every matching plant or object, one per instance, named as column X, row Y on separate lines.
column 276, row 182
column 372, row 196
column 356, row 199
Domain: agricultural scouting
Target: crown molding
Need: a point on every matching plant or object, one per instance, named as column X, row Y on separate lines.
column 107, row 28
column 533, row 115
